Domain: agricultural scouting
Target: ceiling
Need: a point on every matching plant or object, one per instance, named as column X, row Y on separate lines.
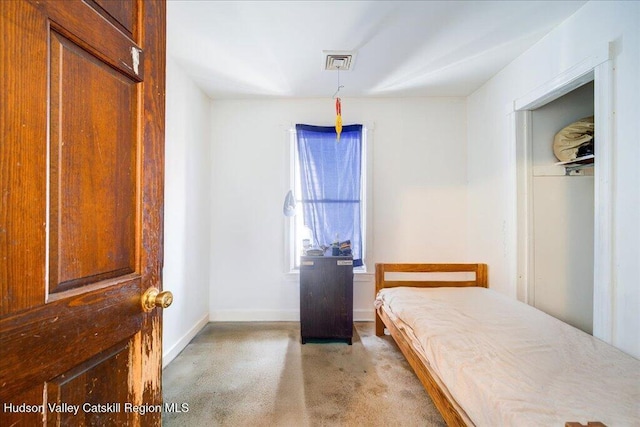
column 247, row 49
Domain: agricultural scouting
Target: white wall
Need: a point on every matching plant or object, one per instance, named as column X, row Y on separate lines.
column 491, row 172
column 187, row 212
column 419, row 194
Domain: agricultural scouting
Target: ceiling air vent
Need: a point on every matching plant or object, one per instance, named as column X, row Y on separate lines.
column 342, row 61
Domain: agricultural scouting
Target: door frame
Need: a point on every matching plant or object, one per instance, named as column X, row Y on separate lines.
column 599, row 68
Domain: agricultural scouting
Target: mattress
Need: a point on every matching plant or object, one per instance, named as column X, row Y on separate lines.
column 506, row 363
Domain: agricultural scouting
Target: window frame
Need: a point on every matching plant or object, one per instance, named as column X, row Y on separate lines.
column 291, row 248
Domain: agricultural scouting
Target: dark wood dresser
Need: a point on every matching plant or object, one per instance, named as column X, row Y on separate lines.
column 326, row 298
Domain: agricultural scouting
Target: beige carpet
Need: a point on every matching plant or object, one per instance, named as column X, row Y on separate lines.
column 258, row 374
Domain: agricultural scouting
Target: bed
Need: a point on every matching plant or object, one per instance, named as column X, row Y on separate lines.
column 486, row 359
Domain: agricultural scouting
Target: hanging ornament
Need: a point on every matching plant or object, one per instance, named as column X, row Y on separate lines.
column 338, row 118
column 338, row 109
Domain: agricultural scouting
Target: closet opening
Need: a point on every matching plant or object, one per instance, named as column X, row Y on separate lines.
column 564, row 215
column 563, row 209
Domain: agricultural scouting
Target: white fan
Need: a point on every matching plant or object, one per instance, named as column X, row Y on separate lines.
column 289, row 208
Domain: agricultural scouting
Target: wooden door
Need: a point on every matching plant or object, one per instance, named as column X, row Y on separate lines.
column 81, row 203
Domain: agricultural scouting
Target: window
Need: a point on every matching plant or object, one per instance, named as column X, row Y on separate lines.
column 329, row 183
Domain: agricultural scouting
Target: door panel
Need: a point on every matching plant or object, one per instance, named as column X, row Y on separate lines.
column 81, row 161
column 92, row 209
column 90, row 394
column 122, row 13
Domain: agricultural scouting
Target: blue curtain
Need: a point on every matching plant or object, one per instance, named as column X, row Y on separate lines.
column 330, row 173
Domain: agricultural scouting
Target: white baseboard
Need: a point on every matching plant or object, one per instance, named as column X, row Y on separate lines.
column 255, row 316
column 171, row 353
column 359, row 315
column 364, row 315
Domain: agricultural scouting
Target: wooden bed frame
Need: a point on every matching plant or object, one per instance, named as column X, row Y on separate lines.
column 447, row 408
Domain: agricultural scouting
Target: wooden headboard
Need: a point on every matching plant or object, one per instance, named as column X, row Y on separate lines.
column 480, row 271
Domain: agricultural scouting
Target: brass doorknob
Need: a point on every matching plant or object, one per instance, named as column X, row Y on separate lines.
column 153, row 298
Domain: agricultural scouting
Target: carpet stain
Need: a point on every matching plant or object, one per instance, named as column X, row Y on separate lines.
column 259, row 374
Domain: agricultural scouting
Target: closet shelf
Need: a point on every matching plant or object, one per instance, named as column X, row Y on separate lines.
column 578, row 163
